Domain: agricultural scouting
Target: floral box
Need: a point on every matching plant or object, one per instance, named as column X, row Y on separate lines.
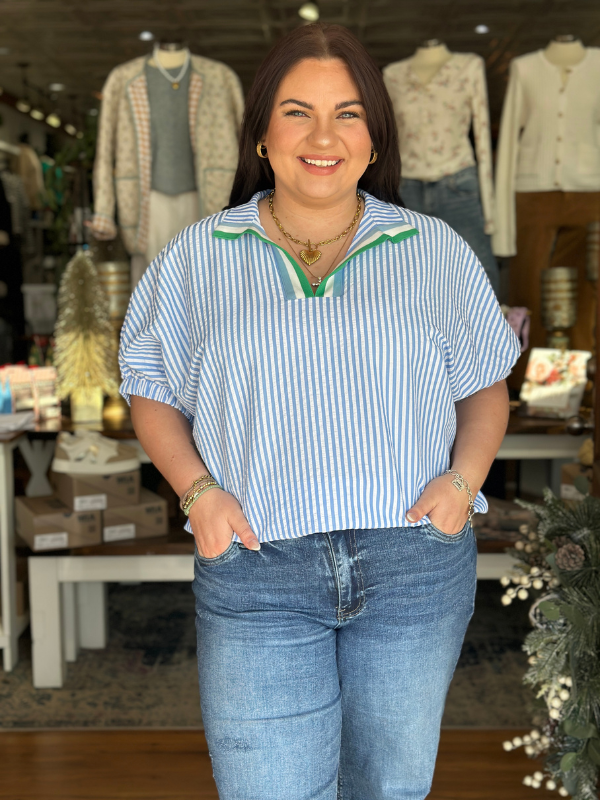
column 554, row 382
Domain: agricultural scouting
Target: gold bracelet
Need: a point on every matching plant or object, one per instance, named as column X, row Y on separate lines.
column 187, row 510
column 199, row 480
column 190, row 498
column 460, row 482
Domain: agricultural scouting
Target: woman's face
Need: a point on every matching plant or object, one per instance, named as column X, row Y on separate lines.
column 318, row 116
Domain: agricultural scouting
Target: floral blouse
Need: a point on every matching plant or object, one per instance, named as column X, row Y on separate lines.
column 434, row 120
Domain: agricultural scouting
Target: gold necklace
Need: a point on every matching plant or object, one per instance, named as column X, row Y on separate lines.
column 312, row 254
column 321, row 277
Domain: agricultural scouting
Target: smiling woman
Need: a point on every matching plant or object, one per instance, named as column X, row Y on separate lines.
column 330, row 49
column 337, row 356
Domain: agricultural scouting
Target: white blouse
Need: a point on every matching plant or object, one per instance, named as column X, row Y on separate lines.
column 549, row 135
column 434, row 120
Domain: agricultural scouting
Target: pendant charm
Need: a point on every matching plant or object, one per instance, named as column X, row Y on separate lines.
column 317, row 284
column 310, row 256
column 175, row 85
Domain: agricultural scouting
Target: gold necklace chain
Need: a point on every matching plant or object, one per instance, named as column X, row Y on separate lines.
column 312, row 254
column 321, row 277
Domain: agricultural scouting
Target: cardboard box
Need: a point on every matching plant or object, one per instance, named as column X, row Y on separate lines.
column 145, row 520
column 573, row 479
column 83, row 492
column 47, row 524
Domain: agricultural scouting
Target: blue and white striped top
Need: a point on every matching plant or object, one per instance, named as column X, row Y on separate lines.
column 318, row 412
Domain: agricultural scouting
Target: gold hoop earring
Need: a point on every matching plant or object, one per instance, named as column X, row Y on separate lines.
column 259, row 150
column 374, row 155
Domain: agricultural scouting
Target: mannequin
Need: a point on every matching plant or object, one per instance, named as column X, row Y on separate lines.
column 548, row 177
column 162, row 161
column 437, row 95
column 429, row 59
column 564, row 52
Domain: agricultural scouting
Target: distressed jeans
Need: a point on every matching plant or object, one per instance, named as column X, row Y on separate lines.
column 324, row 661
column 456, row 200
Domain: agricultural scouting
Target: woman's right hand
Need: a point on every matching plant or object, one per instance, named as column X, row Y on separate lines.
column 214, row 517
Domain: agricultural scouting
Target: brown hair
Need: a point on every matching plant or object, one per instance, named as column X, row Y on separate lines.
column 254, row 174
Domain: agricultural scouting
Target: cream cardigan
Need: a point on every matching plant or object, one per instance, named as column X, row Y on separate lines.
column 549, row 136
column 122, row 170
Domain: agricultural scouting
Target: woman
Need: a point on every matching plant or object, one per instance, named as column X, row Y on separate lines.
column 323, row 397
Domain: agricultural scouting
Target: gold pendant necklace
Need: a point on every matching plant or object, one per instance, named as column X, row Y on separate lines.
column 312, row 254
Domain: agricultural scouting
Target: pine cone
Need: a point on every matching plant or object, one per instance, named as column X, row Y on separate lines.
column 570, row 557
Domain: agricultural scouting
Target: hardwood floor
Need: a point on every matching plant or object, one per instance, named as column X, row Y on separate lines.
column 175, row 765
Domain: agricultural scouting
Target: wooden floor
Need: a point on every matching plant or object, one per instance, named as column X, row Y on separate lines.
column 175, row 765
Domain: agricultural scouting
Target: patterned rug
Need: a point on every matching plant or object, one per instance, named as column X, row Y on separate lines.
column 146, row 677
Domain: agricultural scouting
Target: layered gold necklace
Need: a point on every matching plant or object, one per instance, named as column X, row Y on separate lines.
column 312, row 253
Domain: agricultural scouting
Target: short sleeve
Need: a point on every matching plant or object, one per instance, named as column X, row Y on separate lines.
column 155, row 349
column 483, row 346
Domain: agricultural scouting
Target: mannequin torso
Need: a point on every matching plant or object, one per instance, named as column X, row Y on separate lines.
column 427, row 61
column 565, row 55
column 170, row 59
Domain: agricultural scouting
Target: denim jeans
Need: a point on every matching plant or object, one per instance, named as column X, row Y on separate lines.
column 455, row 199
column 324, row 661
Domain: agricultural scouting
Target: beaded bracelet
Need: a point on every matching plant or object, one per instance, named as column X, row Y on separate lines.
column 191, row 498
column 186, row 510
column 185, row 497
column 461, row 483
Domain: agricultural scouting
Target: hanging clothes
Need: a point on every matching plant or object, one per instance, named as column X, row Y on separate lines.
column 11, row 279
column 29, row 169
column 434, row 120
column 549, row 136
column 123, row 166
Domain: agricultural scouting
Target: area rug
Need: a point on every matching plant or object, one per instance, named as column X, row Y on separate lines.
column 146, row 677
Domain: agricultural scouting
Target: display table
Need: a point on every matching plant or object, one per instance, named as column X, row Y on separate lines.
column 68, row 589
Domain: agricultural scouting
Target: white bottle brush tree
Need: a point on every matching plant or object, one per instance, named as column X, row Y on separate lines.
column 85, row 360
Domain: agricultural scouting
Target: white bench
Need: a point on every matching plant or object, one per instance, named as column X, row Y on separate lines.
column 68, row 600
column 68, row 593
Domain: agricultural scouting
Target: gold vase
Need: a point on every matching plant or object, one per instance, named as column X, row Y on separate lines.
column 559, row 304
column 86, row 405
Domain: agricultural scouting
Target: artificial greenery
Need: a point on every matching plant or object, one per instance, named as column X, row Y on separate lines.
column 66, row 185
column 560, row 559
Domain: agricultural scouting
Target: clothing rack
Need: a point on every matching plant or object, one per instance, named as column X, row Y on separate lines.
column 5, row 147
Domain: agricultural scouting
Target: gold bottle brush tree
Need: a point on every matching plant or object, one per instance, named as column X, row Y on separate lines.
column 84, row 357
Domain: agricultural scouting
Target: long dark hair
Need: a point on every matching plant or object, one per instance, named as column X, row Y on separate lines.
column 253, row 174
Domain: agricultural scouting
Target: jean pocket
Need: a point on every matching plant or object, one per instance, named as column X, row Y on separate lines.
column 447, row 538
column 233, row 548
column 464, row 182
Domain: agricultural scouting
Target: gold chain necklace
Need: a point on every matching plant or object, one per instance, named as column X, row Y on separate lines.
column 312, row 254
column 321, row 277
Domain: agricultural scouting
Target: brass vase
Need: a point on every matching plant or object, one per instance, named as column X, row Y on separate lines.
column 559, row 304
column 113, row 267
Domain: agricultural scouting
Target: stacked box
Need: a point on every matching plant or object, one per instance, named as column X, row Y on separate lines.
column 46, row 523
column 128, row 511
column 85, row 492
column 145, row 520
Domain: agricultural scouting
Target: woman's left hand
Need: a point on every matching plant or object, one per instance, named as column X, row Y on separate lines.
column 446, row 507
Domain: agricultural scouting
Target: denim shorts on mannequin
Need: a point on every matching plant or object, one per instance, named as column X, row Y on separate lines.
column 324, row 661
column 456, row 200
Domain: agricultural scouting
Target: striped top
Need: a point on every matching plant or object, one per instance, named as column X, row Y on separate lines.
column 318, row 412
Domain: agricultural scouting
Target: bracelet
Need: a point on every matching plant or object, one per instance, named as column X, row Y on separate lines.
column 191, row 498
column 460, row 482
column 186, row 510
column 195, row 484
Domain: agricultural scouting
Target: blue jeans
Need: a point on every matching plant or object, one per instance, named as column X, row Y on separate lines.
column 455, row 199
column 324, row 661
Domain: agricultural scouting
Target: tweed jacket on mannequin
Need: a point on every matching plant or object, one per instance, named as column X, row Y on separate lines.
column 123, row 166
